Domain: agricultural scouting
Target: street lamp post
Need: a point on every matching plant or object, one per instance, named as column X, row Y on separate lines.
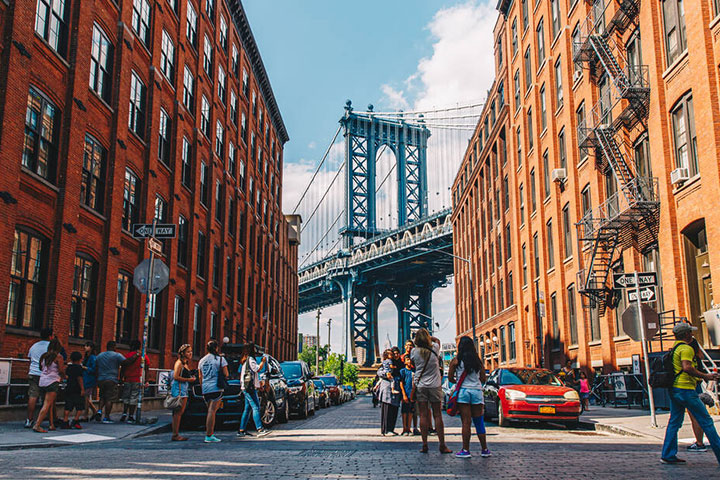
column 470, row 278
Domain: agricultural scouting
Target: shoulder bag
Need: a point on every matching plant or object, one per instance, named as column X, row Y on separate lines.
column 427, row 361
column 452, row 406
column 222, row 382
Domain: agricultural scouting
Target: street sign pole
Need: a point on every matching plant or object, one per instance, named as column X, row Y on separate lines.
column 146, row 323
column 651, row 398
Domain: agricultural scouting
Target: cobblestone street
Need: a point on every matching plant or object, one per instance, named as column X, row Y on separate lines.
column 344, row 442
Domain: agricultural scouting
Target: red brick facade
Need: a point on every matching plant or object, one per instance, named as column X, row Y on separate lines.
column 523, row 143
column 242, row 284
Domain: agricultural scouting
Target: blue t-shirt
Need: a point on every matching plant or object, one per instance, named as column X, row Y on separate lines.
column 90, row 373
column 406, row 377
column 108, row 365
column 209, row 366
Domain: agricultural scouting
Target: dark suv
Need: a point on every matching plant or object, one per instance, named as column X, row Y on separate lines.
column 272, row 392
column 301, row 389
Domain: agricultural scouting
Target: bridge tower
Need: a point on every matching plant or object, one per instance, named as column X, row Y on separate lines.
column 365, row 134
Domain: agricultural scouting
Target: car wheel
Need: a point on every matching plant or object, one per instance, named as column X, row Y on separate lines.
column 572, row 424
column 268, row 414
column 285, row 415
column 502, row 421
column 304, row 413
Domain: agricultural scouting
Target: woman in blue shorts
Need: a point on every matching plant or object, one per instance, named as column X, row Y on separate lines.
column 470, row 399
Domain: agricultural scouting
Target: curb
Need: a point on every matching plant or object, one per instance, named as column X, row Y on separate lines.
column 601, row 427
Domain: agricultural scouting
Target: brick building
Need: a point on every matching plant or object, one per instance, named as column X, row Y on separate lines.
column 587, row 161
column 114, row 113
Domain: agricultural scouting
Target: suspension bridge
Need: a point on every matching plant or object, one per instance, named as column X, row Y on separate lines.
column 376, row 219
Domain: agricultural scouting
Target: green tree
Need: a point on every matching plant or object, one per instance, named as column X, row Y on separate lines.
column 308, row 356
column 346, row 372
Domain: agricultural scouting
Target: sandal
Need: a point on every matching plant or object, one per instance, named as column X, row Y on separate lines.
column 39, row 430
column 424, row 449
column 445, row 450
column 179, row 439
column 52, row 429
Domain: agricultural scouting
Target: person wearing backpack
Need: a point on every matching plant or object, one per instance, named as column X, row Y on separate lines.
column 212, row 374
column 250, row 384
column 684, row 396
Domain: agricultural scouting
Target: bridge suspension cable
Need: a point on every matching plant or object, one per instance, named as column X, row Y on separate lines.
column 322, row 162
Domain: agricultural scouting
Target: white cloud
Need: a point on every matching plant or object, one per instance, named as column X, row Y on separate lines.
column 394, row 97
column 312, row 145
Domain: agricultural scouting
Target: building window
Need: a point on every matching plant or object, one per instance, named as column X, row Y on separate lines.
column 233, row 108
column 571, row 315
column 550, row 244
column 674, row 21
column 210, row 10
column 556, row 18
column 131, row 200
column 580, row 116
column 585, row 201
column 516, row 80
column 204, row 184
column 525, row 14
column 508, row 243
column 101, row 59
column 540, row 31
column 240, row 285
column 201, row 267
column 231, row 159
column 182, row 245
column 503, row 355
column 536, row 254
column 213, row 325
column 223, row 33
column 546, row 174
column 82, row 306
column 683, row 118
column 567, row 231
column 197, row 328
column 186, row 157
column 558, row 84
column 141, row 20
column 189, row 90
column 577, row 67
column 231, row 216
column 167, row 57
column 178, row 320
column 124, row 328
column 191, row 30
column 207, row 56
column 514, row 36
column 42, row 124
column 555, row 322
column 218, row 201
column 51, row 23
column 533, row 192
column 245, row 83
column 524, row 265
column 216, row 267
column 28, row 277
column 522, row 204
column 562, row 151
column 205, row 117
column 528, row 69
column 543, row 109
column 219, row 139
column 138, row 96
column 164, row 137
column 229, row 277
column 510, row 290
column 235, row 60
column 243, row 128
column 594, row 313
column 511, row 342
column 92, row 187
column 518, row 141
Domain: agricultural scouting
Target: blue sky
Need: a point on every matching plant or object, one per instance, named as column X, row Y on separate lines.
column 391, row 53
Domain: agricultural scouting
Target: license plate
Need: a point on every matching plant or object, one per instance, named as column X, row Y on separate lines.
column 547, row 409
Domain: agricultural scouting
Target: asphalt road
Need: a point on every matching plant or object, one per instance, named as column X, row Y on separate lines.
column 343, row 442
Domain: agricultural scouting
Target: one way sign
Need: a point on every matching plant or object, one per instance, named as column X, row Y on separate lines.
column 647, row 294
column 627, row 280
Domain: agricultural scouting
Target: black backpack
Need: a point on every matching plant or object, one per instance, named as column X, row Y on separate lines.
column 662, row 370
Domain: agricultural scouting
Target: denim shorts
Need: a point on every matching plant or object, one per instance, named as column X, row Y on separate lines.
column 473, row 396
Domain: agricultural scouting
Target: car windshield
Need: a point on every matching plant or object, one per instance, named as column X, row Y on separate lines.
column 291, row 370
column 319, row 383
column 332, row 381
column 517, row 376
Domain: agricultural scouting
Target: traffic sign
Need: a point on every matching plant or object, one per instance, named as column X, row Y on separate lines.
column 160, row 276
column 647, row 294
column 650, row 317
column 145, row 230
column 155, row 246
column 627, row 280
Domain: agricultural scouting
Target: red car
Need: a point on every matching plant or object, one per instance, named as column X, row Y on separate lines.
column 530, row 394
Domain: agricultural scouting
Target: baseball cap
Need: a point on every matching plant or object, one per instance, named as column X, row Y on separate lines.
column 683, row 327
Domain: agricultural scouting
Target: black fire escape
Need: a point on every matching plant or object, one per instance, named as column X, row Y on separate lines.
column 629, row 217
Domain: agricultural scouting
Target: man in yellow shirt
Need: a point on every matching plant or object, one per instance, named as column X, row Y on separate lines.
column 683, row 396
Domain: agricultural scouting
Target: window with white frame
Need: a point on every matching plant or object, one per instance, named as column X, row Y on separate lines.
column 167, row 57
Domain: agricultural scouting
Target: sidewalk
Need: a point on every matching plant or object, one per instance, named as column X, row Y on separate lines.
column 14, row 436
column 636, row 423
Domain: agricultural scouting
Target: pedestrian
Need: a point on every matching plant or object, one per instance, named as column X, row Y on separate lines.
column 567, row 374
column 467, row 370
column 684, row 396
column 374, row 390
column 36, row 351
column 407, row 409
column 52, row 369
column 213, row 372
column 89, row 382
column 179, row 385
column 108, row 365
column 74, row 391
column 428, row 386
column 584, row 391
column 132, row 384
column 409, row 345
column 250, row 383
column 389, row 401
column 698, row 445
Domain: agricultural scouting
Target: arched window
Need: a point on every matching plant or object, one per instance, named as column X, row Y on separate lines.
column 84, row 293
column 28, row 276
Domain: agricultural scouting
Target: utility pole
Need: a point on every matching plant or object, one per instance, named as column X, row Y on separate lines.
column 328, row 344
column 317, row 346
column 643, row 342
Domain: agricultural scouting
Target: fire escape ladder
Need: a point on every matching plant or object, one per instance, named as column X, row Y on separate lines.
column 605, row 135
column 601, row 260
column 604, row 54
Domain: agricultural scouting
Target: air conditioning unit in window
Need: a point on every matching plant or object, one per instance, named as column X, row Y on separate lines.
column 679, row 176
column 558, row 175
column 577, row 76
